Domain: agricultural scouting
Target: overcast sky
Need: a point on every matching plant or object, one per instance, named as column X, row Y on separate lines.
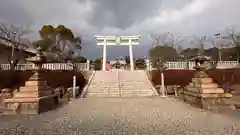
column 123, row 17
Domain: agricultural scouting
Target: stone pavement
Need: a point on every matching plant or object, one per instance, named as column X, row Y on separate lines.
column 123, row 116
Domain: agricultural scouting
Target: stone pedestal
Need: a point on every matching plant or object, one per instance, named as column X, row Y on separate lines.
column 205, row 94
column 33, row 98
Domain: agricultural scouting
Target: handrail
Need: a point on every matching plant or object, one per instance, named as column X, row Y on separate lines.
column 119, row 83
column 87, row 85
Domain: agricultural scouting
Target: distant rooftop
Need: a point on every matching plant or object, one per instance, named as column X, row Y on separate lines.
column 8, row 42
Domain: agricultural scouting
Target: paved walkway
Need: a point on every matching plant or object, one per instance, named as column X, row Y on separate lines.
column 128, row 116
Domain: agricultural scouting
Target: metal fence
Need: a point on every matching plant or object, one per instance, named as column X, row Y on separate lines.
column 191, row 64
column 86, row 66
column 50, row 66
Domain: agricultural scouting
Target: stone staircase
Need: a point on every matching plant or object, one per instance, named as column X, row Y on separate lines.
column 103, row 84
column 135, row 83
column 120, row 83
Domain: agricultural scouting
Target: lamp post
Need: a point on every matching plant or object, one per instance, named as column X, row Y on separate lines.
column 13, row 37
column 219, row 47
column 13, row 42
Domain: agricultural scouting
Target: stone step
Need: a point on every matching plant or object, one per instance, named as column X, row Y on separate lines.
column 118, row 95
column 202, row 80
column 137, row 84
column 102, row 95
column 114, row 91
column 137, row 89
column 101, row 89
column 136, row 94
column 209, row 85
column 32, row 94
column 208, row 95
column 98, row 87
column 132, row 87
column 34, row 83
column 102, row 83
column 32, row 88
column 27, row 94
column 146, row 91
column 207, row 91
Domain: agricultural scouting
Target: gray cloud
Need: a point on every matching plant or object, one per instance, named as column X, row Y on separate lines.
column 123, row 17
column 13, row 12
column 122, row 14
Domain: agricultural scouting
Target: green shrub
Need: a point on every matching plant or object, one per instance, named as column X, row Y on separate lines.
column 140, row 64
column 98, row 64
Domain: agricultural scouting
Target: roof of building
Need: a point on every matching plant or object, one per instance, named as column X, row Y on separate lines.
column 9, row 42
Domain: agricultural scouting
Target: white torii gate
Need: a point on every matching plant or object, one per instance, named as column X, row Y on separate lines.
column 117, row 40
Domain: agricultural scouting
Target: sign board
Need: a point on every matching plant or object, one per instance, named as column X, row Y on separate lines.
column 118, row 40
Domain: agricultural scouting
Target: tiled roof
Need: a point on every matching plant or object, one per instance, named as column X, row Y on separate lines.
column 8, row 42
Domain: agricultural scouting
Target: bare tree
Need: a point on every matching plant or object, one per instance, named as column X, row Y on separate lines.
column 233, row 39
column 13, row 35
column 155, row 39
column 173, row 41
column 179, row 49
column 159, row 39
column 166, row 39
column 216, row 44
column 232, row 35
column 200, row 42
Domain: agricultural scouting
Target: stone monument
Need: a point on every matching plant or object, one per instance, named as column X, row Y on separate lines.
column 202, row 92
column 35, row 97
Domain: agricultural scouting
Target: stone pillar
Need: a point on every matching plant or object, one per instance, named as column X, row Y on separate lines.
column 162, row 85
column 131, row 54
column 104, row 55
column 88, row 65
column 147, row 63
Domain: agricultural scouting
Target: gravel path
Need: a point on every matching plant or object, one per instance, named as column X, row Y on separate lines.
column 128, row 116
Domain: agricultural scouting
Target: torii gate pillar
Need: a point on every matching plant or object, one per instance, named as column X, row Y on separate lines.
column 114, row 40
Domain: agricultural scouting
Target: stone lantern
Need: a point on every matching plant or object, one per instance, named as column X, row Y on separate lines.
column 201, row 64
column 35, row 97
column 202, row 91
column 37, row 60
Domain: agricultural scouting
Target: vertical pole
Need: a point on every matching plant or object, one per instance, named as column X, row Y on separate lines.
column 74, row 86
column 131, row 54
column 146, row 61
column 88, row 65
column 219, row 50
column 104, row 55
column 162, row 85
